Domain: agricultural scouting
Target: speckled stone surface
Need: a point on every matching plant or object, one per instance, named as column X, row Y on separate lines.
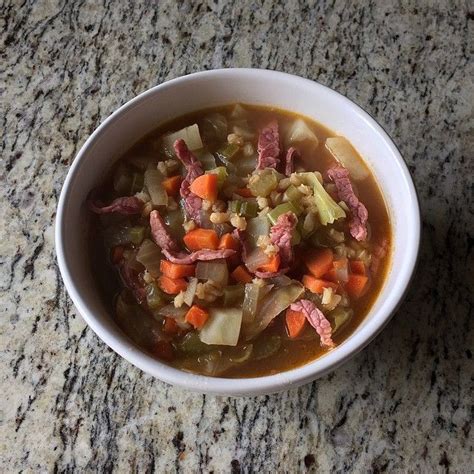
column 405, row 404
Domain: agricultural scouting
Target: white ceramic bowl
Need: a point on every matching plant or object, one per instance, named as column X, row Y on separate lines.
column 212, row 88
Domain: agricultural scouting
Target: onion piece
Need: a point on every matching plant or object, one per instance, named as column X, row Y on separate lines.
column 300, row 132
column 345, row 153
column 189, row 134
column 215, row 270
column 271, row 306
column 149, row 255
column 158, row 195
column 255, row 259
column 253, row 294
column 188, row 296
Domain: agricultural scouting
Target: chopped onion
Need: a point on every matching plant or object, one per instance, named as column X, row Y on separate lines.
column 153, row 180
column 190, row 291
column 255, row 259
column 215, row 270
column 251, row 299
column 271, row 306
column 222, row 327
column 344, row 152
column 189, row 134
column 206, row 158
column 149, row 255
column 300, row 132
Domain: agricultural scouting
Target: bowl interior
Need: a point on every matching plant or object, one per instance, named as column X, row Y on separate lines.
column 203, row 90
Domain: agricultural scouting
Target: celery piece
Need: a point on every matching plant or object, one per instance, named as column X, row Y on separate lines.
column 292, row 193
column 283, row 209
column 234, row 206
column 328, row 210
column 263, row 183
column 248, row 209
column 154, row 296
column 228, row 152
column 233, row 295
column 136, row 234
column 221, row 173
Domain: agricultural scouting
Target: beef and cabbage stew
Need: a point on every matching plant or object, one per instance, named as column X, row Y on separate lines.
column 240, row 241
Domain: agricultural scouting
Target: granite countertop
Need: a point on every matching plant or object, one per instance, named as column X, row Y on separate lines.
column 405, row 404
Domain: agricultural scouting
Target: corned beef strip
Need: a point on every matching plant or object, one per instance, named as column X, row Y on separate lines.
column 123, row 205
column 290, row 157
column 192, row 203
column 160, row 233
column 280, row 235
column 317, row 319
column 269, row 147
column 359, row 214
column 202, row 255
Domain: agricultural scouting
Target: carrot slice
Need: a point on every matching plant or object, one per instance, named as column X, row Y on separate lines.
column 295, row 321
column 175, row 270
column 172, row 286
column 316, row 285
column 358, row 267
column 319, row 261
column 272, row 265
column 331, row 275
column 244, row 192
column 241, row 275
column 205, row 186
column 356, row 285
column 227, row 241
column 198, row 239
column 196, row 316
column 170, row 326
column 172, row 185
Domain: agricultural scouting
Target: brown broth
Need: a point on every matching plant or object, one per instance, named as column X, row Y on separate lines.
column 293, row 353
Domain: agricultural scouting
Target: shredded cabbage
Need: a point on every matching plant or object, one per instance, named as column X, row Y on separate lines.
column 153, row 180
column 344, row 152
column 189, row 134
column 222, row 327
column 149, row 255
column 328, row 210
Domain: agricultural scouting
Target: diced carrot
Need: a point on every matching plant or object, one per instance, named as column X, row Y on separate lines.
column 172, row 185
column 172, row 286
column 196, row 316
column 170, row 326
column 356, row 285
column 244, row 192
column 175, row 270
column 205, row 186
column 227, row 241
column 319, row 261
column 198, row 239
column 241, row 275
column 316, row 285
column 272, row 265
column 358, row 267
column 163, row 350
column 330, row 275
column 295, row 321
column 117, row 254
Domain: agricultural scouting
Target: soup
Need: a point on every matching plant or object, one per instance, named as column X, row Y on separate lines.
column 239, row 241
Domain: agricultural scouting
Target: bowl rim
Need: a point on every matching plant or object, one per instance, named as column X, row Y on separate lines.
column 255, row 385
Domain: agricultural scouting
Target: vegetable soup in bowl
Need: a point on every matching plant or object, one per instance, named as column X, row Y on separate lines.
column 237, row 231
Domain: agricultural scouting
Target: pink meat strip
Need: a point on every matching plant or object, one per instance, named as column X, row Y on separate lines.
column 290, row 157
column 269, row 147
column 201, row 255
column 317, row 319
column 163, row 239
column 192, row 203
column 359, row 214
column 123, row 205
column 160, row 233
column 280, row 235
